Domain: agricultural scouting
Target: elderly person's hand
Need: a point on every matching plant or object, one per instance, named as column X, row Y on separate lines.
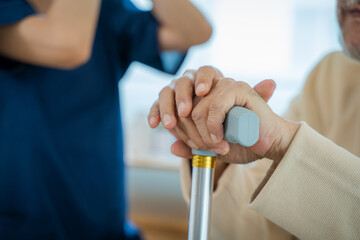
column 214, row 96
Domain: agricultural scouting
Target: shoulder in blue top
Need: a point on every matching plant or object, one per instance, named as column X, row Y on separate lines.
column 61, row 162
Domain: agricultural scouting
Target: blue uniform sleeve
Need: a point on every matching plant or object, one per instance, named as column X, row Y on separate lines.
column 139, row 42
column 12, row 11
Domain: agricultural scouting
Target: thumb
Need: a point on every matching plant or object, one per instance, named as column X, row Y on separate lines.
column 180, row 149
column 265, row 89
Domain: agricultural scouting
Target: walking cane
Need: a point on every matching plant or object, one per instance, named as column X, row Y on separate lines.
column 242, row 127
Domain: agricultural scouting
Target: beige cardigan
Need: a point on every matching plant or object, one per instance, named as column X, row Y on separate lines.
column 314, row 193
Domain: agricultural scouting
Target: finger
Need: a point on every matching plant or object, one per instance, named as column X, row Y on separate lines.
column 237, row 93
column 221, row 148
column 183, row 137
column 199, row 116
column 204, row 80
column 189, row 128
column 180, row 149
column 154, row 115
column 174, row 133
column 184, row 88
column 265, row 89
column 167, row 107
column 220, row 102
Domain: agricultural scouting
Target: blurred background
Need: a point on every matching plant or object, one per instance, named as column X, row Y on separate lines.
column 252, row 41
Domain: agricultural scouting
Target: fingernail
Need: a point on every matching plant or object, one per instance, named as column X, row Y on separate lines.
column 218, row 151
column 181, row 107
column 192, row 144
column 167, row 119
column 152, row 120
column 200, row 88
column 213, row 138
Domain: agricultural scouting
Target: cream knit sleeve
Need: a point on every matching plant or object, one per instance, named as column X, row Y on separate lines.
column 314, row 193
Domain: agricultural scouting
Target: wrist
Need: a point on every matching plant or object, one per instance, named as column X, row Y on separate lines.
column 288, row 130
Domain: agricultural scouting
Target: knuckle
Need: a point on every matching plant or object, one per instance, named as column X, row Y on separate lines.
column 182, row 81
column 242, row 85
column 206, row 74
column 212, row 121
column 226, row 82
column 226, row 79
column 207, row 68
column 215, row 107
column 215, row 111
column 165, row 91
column 196, row 115
column 253, row 93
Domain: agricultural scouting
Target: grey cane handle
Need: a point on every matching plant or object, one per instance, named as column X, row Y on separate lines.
column 241, row 126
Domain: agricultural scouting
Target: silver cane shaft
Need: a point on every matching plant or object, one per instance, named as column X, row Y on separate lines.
column 200, row 202
column 241, row 127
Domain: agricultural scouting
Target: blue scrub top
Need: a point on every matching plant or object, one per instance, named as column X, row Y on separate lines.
column 61, row 149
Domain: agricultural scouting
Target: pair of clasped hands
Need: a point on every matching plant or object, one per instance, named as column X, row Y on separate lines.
column 193, row 109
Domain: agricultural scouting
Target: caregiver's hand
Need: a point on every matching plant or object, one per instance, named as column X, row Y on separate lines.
column 176, row 102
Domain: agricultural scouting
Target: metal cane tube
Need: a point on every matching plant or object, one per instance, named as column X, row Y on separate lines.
column 241, row 127
column 200, row 202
